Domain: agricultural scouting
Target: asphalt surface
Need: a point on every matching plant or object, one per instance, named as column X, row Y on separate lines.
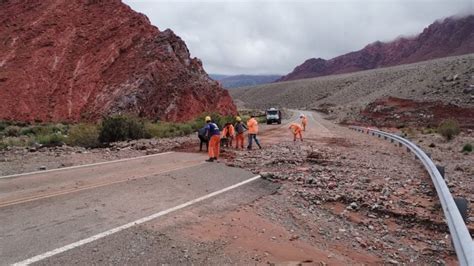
column 46, row 211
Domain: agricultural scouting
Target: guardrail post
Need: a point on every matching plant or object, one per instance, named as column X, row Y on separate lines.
column 399, row 144
column 441, row 170
column 461, row 203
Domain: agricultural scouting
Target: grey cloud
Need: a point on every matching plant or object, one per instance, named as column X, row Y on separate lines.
column 268, row 37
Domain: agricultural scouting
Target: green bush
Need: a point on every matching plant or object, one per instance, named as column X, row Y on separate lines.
column 449, row 129
column 44, row 129
column 12, row 131
column 3, row 125
column 118, row 128
column 83, row 135
column 54, row 139
column 467, row 147
column 167, row 130
column 22, row 141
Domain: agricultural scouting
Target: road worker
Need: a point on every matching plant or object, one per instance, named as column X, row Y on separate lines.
column 214, row 135
column 296, row 130
column 304, row 121
column 203, row 138
column 252, row 125
column 240, row 128
column 228, row 133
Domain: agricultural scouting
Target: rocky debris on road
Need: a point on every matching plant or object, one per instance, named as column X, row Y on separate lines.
column 17, row 160
column 370, row 184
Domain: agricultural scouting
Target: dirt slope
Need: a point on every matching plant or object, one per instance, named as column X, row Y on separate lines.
column 71, row 60
column 446, row 83
column 451, row 36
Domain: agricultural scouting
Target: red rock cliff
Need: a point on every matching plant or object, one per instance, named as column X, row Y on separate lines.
column 446, row 38
column 71, row 60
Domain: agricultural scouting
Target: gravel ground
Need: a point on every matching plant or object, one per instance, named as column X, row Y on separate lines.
column 362, row 191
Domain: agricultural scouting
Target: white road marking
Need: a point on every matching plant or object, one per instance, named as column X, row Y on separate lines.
column 85, row 165
column 129, row 225
column 92, row 186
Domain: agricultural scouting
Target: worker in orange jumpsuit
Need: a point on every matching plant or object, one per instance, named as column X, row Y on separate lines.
column 240, row 128
column 304, row 121
column 252, row 125
column 296, row 130
column 214, row 134
column 228, row 133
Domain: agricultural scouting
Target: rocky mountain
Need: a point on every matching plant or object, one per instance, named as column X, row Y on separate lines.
column 238, row 81
column 71, row 60
column 419, row 94
column 451, row 36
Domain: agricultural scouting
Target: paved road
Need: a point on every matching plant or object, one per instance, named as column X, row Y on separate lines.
column 50, row 210
column 45, row 211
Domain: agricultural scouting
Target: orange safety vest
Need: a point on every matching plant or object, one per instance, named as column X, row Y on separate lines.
column 252, row 124
column 295, row 128
column 228, row 131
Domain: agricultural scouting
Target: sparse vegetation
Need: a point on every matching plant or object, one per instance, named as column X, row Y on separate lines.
column 53, row 139
column 409, row 132
column 449, row 129
column 114, row 128
column 12, row 131
column 428, row 130
column 467, row 147
column 83, row 135
column 120, row 127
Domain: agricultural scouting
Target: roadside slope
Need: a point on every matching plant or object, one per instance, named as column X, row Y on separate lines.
column 448, row 81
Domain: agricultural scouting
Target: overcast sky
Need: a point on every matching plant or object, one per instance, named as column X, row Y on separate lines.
column 272, row 37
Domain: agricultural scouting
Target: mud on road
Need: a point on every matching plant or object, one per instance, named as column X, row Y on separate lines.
column 338, row 197
column 353, row 191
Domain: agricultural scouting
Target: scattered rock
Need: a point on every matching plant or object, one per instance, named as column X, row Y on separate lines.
column 294, row 237
column 352, row 206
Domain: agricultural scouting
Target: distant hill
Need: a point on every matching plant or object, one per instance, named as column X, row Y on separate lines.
column 237, row 81
column 451, row 36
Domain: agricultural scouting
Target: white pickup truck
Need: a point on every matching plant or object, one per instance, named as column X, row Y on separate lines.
column 273, row 116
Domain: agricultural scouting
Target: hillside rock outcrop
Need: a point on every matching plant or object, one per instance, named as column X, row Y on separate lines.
column 452, row 36
column 72, row 60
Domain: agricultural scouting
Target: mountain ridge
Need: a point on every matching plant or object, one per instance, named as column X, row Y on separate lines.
column 243, row 80
column 448, row 37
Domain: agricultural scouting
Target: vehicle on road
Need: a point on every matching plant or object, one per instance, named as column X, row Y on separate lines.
column 273, row 115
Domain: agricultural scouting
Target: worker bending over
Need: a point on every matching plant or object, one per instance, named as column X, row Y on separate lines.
column 304, row 121
column 228, row 133
column 240, row 128
column 214, row 135
column 252, row 125
column 296, row 130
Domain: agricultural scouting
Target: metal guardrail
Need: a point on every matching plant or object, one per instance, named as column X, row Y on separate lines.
column 463, row 243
